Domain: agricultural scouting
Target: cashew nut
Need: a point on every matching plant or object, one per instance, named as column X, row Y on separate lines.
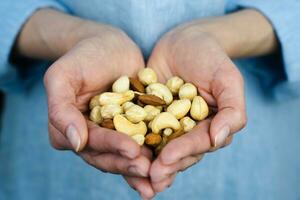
column 187, row 123
column 140, row 139
column 164, row 120
column 174, row 83
column 147, row 76
column 95, row 115
column 152, row 111
column 124, row 126
column 187, row 91
column 161, row 91
column 121, row 85
column 179, row 108
column 167, row 132
column 110, row 110
column 94, row 102
column 127, row 105
column 199, row 108
column 115, row 98
column 135, row 114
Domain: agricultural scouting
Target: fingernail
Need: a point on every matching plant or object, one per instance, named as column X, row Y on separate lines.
column 221, row 136
column 73, row 137
column 135, row 171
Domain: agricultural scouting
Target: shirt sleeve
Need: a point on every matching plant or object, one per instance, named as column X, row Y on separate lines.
column 14, row 13
column 285, row 19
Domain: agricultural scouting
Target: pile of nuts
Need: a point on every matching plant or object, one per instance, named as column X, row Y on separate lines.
column 147, row 111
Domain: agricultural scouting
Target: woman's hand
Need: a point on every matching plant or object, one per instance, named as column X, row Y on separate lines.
column 198, row 58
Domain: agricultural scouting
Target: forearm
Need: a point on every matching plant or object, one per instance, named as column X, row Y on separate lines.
column 49, row 34
column 242, row 34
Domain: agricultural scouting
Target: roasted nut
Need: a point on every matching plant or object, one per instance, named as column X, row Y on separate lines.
column 164, row 120
column 152, row 111
column 139, row 139
column 110, row 110
column 125, row 126
column 175, row 135
column 187, row 123
column 147, row 76
column 167, row 132
column 153, row 139
column 187, row 91
column 95, row 115
column 199, row 108
column 174, row 83
column 161, row 91
column 135, row 114
column 179, row 108
column 150, row 99
column 121, row 85
column 127, row 105
column 107, row 123
column 115, row 98
column 136, row 85
column 162, row 144
column 94, row 102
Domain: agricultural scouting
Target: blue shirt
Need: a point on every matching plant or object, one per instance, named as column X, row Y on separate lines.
column 261, row 163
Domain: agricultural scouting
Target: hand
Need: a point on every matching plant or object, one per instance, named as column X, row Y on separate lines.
column 85, row 70
column 197, row 57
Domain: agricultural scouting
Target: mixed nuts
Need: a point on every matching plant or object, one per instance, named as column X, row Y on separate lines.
column 147, row 111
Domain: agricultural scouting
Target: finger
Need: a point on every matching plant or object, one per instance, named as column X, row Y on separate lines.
column 116, row 164
column 63, row 114
column 57, row 140
column 161, row 186
column 159, row 172
column 227, row 142
column 104, row 140
column 197, row 141
column 142, row 185
column 228, row 89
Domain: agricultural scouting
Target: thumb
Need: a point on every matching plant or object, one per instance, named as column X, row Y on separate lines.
column 63, row 114
column 231, row 116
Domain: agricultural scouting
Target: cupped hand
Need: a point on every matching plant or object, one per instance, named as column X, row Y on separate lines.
column 84, row 71
column 197, row 57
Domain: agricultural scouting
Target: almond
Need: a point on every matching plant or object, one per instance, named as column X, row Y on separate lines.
column 150, row 99
column 175, row 135
column 136, row 85
column 107, row 123
column 153, row 139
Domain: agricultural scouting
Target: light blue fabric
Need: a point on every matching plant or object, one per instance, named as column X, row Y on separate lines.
column 262, row 163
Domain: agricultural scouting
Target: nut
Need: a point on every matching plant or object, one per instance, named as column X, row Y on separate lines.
column 150, row 99
column 153, row 139
column 115, row 98
column 199, row 108
column 175, row 135
column 139, row 139
column 136, row 85
column 162, row 144
column 95, row 115
column 107, row 123
column 110, row 110
column 179, row 108
column 164, row 120
column 124, row 126
column 174, row 83
column 161, row 91
column 187, row 124
column 127, row 105
column 94, row 102
column 149, row 124
column 121, row 85
column 147, row 76
column 167, row 132
column 187, row 91
column 135, row 114
column 152, row 111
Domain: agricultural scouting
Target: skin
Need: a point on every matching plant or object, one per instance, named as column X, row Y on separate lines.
column 199, row 52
